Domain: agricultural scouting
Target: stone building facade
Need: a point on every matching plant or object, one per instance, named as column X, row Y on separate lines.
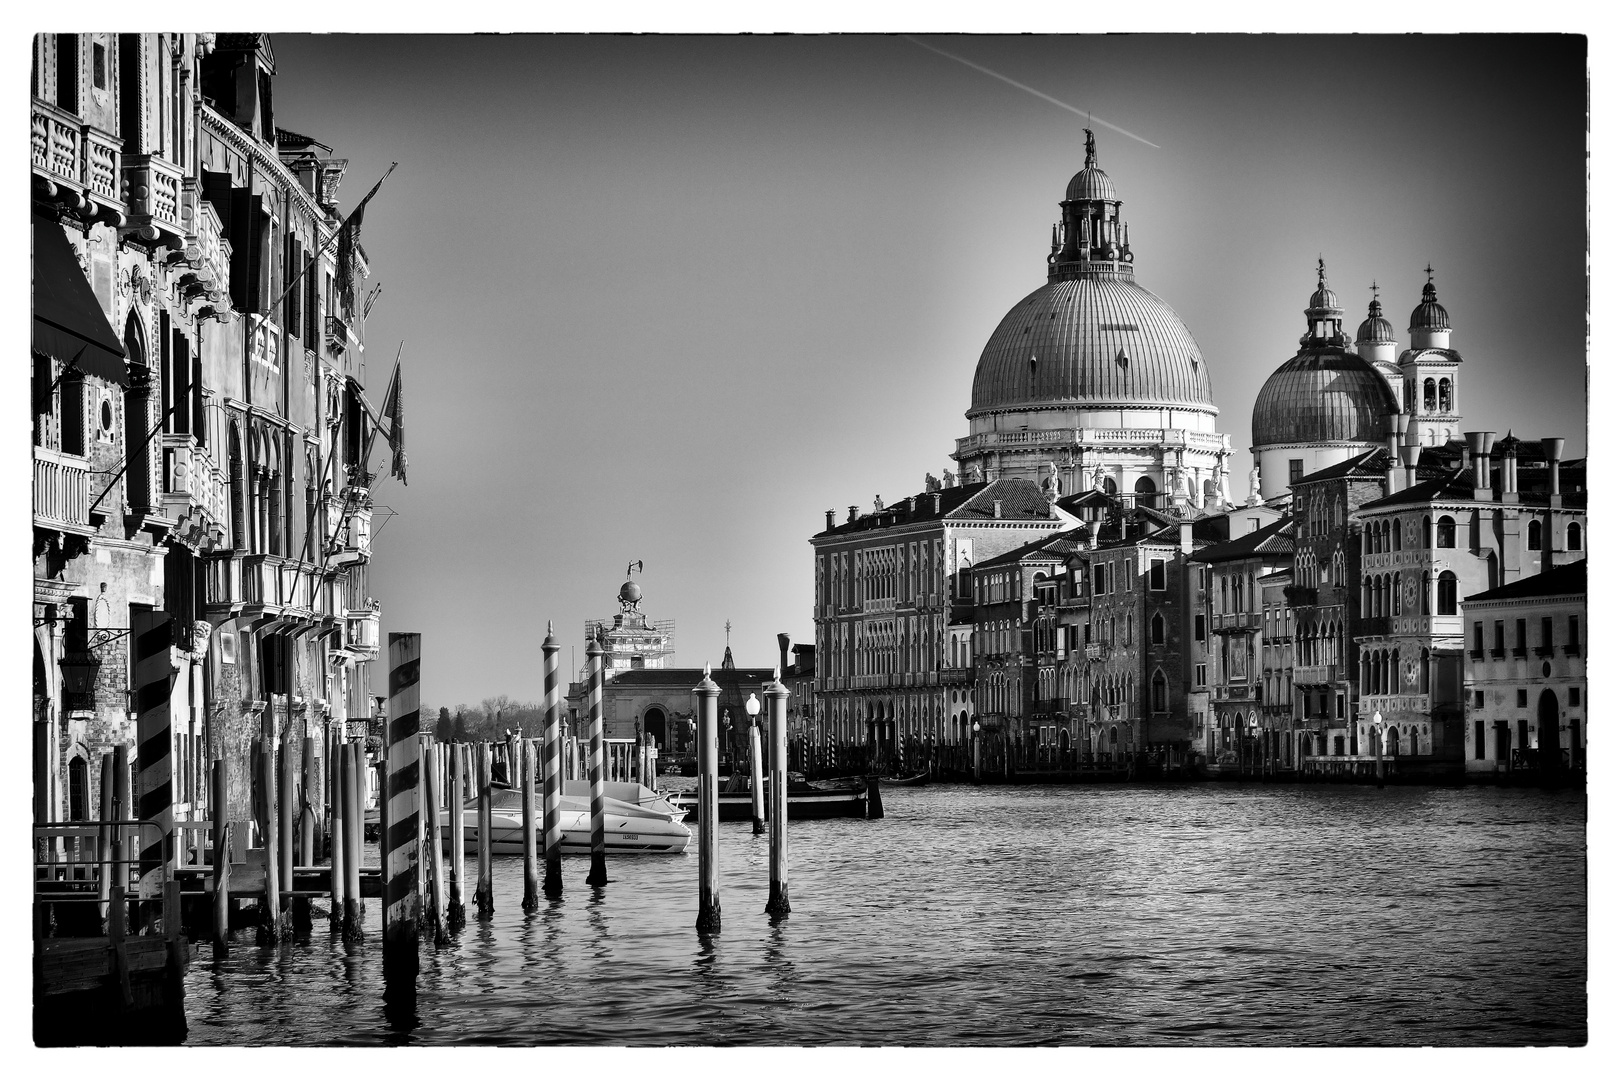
column 215, row 473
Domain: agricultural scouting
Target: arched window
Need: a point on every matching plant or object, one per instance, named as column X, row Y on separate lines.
column 78, row 790
column 1447, row 603
column 1392, row 741
column 141, row 459
column 1161, row 692
column 1109, row 487
column 238, row 491
column 1445, row 532
column 1423, row 600
column 1157, row 629
column 1445, row 395
column 1146, row 486
column 1574, row 536
column 1423, row 671
column 1414, row 740
column 1428, row 532
column 1395, row 535
column 1428, row 395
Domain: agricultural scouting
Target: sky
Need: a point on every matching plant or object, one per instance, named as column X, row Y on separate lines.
column 671, row 298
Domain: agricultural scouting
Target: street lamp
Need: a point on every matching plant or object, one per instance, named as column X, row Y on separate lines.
column 1378, row 745
column 755, row 770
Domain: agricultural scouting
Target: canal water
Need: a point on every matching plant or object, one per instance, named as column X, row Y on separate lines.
column 1203, row 915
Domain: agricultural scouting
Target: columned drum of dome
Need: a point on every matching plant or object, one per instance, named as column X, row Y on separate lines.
column 1094, row 376
column 1326, row 403
column 1431, row 371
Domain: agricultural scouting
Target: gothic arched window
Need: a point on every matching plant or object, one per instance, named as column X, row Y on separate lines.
column 1161, row 693
column 1157, row 629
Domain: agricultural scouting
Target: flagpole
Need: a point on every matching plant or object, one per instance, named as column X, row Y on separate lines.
column 328, row 241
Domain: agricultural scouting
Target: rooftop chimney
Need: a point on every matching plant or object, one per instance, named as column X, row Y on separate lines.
column 1510, row 472
column 782, row 648
column 852, row 513
column 1479, row 446
column 1186, row 538
column 1093, row 527
column 1409, row 457
column 936, row 502
column 911, row 505
column 997, row 508
column 829, row 520
column 1554, row 449
column 1395, row 424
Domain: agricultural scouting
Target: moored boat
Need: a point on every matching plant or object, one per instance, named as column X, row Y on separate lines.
column 805, row 802
column 914, row 780
column 636, row 821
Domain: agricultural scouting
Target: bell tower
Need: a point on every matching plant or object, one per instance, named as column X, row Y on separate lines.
column 1429, row 372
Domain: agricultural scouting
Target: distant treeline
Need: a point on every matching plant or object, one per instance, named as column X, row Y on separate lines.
column 488, row 720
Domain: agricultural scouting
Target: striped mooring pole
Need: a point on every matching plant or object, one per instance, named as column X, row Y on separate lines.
column 154, row 750
column 776, row 696
column 551, row 757
column 401, row 851
column 456, row 911
column 708, row 695
column 598, row 874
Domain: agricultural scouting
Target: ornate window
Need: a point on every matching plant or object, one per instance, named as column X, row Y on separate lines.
column 1445, row 532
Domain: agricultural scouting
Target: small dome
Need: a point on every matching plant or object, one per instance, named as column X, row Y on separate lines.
column 1091, row 183
column 630, row 592
column 1376, row 330
column 1322, row 395
column 1324, row 301
column 1429, row 315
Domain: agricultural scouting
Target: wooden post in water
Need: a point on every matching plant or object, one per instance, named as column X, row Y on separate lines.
column 400, row 843
column 104, row 836
column 424, row 748
column 456, row 913
column 306, row 832
column 484, row 898
column 152, row 640
column 434, row 854
column 335, row 837
column 354, row 831
column 287, row 830
column 756, row 778
column 270, row 927
column 551, row 755
column 531, row 872
column 776, row 696
column 598, row 874
column 708, row 694
column 218, row 803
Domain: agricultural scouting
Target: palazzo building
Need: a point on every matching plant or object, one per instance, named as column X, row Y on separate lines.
column 200, row 430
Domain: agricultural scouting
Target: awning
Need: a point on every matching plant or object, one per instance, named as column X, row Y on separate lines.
column 68, row 321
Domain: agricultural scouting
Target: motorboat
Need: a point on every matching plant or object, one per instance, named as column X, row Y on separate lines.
column 806, row 801
column 636, row 821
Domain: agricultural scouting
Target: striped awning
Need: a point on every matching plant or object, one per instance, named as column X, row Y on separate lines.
column 69, row 324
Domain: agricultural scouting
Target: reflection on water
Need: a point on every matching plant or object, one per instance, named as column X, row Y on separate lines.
column 1202, row 915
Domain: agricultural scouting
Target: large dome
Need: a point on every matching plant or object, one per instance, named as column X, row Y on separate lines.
column 1322, row 395
column 1091, row 341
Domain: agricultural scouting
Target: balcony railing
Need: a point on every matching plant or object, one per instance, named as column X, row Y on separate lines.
column 1234, row 621
column 1372, row 626
column 337, row 334
column 1316, row 674
column 61, row 491
column 194, row 486
column 361, row 630
column 152, row 190
column 68, row 151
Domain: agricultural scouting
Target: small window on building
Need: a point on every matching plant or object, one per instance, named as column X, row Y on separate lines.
column 1296, row 469
column 1199, row 675
column 1524, row 698
column 1574, row 697
column 1448, row 592
column 1156, row 575
column 1533, row 536
column 1574, row 536
column 1158, row 629
column 1479, row 699
column 1445, row 532
column 98, row 59
column 1198, row 627
column 1479, row 740
column 1574, row 633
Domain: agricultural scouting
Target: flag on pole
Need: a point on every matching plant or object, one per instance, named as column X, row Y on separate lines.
column 348, row 242
column 394, row 409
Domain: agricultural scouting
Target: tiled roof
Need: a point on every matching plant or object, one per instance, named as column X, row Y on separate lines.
column 1274, row 539
column 1566, row 580
column 1456, row 484
column 1020, row 500
column 1053, row 548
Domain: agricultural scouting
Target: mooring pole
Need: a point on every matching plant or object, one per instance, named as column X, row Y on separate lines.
column 457, row 911
column 424, row 748
column 708, row 695
column 756, row 778
column 104, row 836
column 152, row 640
column 336, row 837
column 531, row 872
column 270, row 927
column 552, row 756
column 306, row 832
column 286, row 804
column 776, row 696
column 484, row 898
column 222, row 859
column 354, row 834
column 598, row 874
column 400, row 844
column 435, row 850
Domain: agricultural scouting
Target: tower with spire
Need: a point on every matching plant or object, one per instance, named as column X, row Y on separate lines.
column 1429, row 373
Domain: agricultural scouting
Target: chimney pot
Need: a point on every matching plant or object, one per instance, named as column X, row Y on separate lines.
column 1554, row 449
column 997, row 507
column 829, row 520
column 852, row 513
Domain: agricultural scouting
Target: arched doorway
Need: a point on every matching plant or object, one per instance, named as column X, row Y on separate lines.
column 656, row 723
column 1547, row 729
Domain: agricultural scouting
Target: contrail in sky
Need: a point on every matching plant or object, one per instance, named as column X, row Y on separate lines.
column 1029, row 90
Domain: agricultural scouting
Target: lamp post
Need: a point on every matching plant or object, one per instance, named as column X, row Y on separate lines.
column 1378, row 746
column 977, row 748
column 756, row 782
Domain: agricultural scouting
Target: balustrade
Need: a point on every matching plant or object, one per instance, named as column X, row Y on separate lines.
column 61, row 490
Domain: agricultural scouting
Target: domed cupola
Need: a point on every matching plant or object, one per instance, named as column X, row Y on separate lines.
column 1375, row 329
column 1431, row 324
column 1092, row 237
column 1323, row 405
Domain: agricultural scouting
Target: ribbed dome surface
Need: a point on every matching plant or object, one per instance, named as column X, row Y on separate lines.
column 1102, row 340
column 1429, row 315
column 1091, row 183
column 1325, row 300
column 1322, row 395
column 1375, row 329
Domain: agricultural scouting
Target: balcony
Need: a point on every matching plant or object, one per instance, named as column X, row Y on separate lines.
column 1096, row 651
column 152, row 190
column 1372, row 626
column 337, row 334
column 195, row 492
column 1232, row 622
column 361, row 633
column 1234, row 693
column 61, row 492
column 78, row 164
column 1300, row 595
column 352, row 545
column 1316, row 674
column 205, row 254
